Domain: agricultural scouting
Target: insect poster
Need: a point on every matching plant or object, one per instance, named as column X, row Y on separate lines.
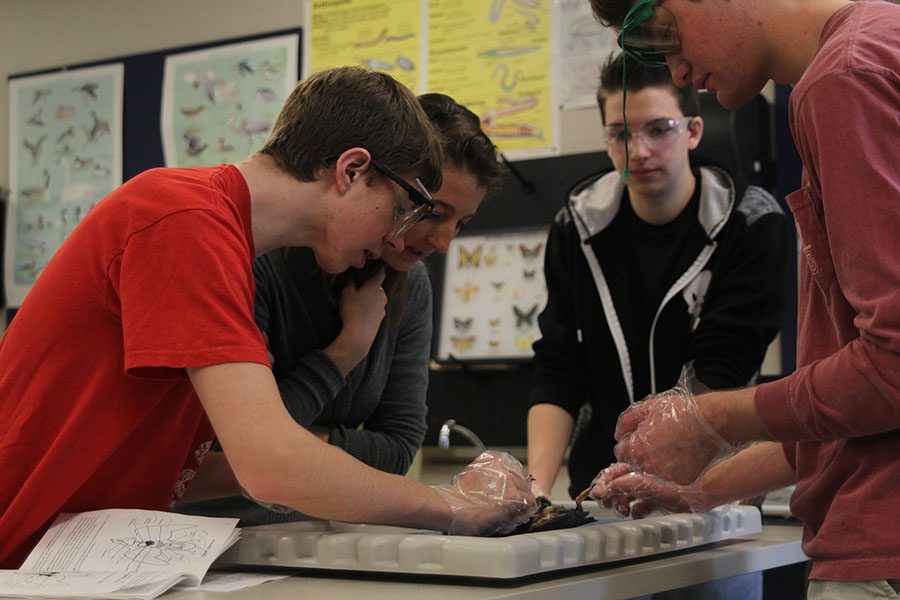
column 219, row 104
column 65, row 141
column 493, row 291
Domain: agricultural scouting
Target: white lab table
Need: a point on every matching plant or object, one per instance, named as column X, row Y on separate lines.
column 776, row 546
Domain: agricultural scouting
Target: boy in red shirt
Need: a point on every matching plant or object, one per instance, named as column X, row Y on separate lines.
column 137, row 345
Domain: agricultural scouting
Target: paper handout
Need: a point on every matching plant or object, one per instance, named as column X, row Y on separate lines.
column 120, row 553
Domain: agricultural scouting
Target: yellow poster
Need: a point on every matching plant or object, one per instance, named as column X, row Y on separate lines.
column 494, row 57
column 381, row 35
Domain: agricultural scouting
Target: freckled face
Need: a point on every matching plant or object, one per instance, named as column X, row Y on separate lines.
column 359, row 228
column 455, row 205
column 722, row 50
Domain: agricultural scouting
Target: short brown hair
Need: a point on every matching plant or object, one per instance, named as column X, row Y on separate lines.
column 639, row 77
column 611, row 13
column 337, row 109
column 465, row 145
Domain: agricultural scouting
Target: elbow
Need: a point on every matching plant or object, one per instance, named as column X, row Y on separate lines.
column 261, row 482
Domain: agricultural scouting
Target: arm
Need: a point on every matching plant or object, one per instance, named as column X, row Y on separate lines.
column 744, row 307
column 309, row 378
column 848, row 223
column 262, row 446
column 560, row 373
column 362, row 310
column 214, row 479
column 549, row 431
column 395, row 429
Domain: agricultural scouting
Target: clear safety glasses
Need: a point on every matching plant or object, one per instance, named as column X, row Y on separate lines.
column 648, row 35
column 655, row 134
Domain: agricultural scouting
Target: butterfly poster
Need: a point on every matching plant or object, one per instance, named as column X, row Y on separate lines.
column 493, row 291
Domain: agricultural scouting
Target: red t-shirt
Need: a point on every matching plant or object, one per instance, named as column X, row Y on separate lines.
column 96, row 410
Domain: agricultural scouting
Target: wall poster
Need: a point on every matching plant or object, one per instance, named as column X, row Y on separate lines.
column 381, row 35
column 219, row 104
column 65, row 141
column 582, row 47
column 493, row 291
column 494, row 57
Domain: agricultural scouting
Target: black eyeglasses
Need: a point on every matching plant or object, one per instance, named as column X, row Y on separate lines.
column 404, row 218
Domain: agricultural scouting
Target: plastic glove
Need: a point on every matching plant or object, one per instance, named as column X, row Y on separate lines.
column 665, row 435
column 492, row 495
column 638, row 495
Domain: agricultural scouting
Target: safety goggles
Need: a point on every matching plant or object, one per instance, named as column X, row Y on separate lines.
column 404, row 216
column 655, row 134
column 649, row 33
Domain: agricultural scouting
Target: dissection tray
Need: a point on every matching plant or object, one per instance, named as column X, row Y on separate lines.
column 329, row 545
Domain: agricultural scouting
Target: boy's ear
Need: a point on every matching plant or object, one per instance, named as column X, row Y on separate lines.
column 695, row 132
column 350, row 164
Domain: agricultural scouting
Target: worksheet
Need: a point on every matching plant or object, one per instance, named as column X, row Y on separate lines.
column 120, row 553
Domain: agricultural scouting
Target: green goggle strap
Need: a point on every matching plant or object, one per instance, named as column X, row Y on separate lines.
column 639, row 13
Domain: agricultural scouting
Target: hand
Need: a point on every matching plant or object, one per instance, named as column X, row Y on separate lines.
column 492, row 495
column 666, row 435
column 362, row 309
column 537, row 490
column 638, row 495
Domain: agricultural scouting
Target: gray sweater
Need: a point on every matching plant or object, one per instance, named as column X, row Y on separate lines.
column 376, row 414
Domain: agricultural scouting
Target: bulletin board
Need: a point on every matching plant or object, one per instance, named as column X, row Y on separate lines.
column 493, row 290
column 134, row 128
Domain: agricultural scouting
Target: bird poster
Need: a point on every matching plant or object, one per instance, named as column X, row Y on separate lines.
column 65, row 155
column 220, row 104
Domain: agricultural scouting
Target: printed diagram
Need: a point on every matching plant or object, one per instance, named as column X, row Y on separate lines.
column 510, row 130
column 23, row 580
column 157, row 542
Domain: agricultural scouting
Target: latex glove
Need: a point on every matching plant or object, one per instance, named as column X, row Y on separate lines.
column 637, row 495
column 492, row 495
column 665, row 435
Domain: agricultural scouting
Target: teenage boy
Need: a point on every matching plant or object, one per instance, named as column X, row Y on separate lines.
column 669, row 266
column 137, row 344
column 838, row 415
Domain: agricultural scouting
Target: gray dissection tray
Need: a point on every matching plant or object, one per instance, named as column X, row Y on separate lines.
column 361, row 549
